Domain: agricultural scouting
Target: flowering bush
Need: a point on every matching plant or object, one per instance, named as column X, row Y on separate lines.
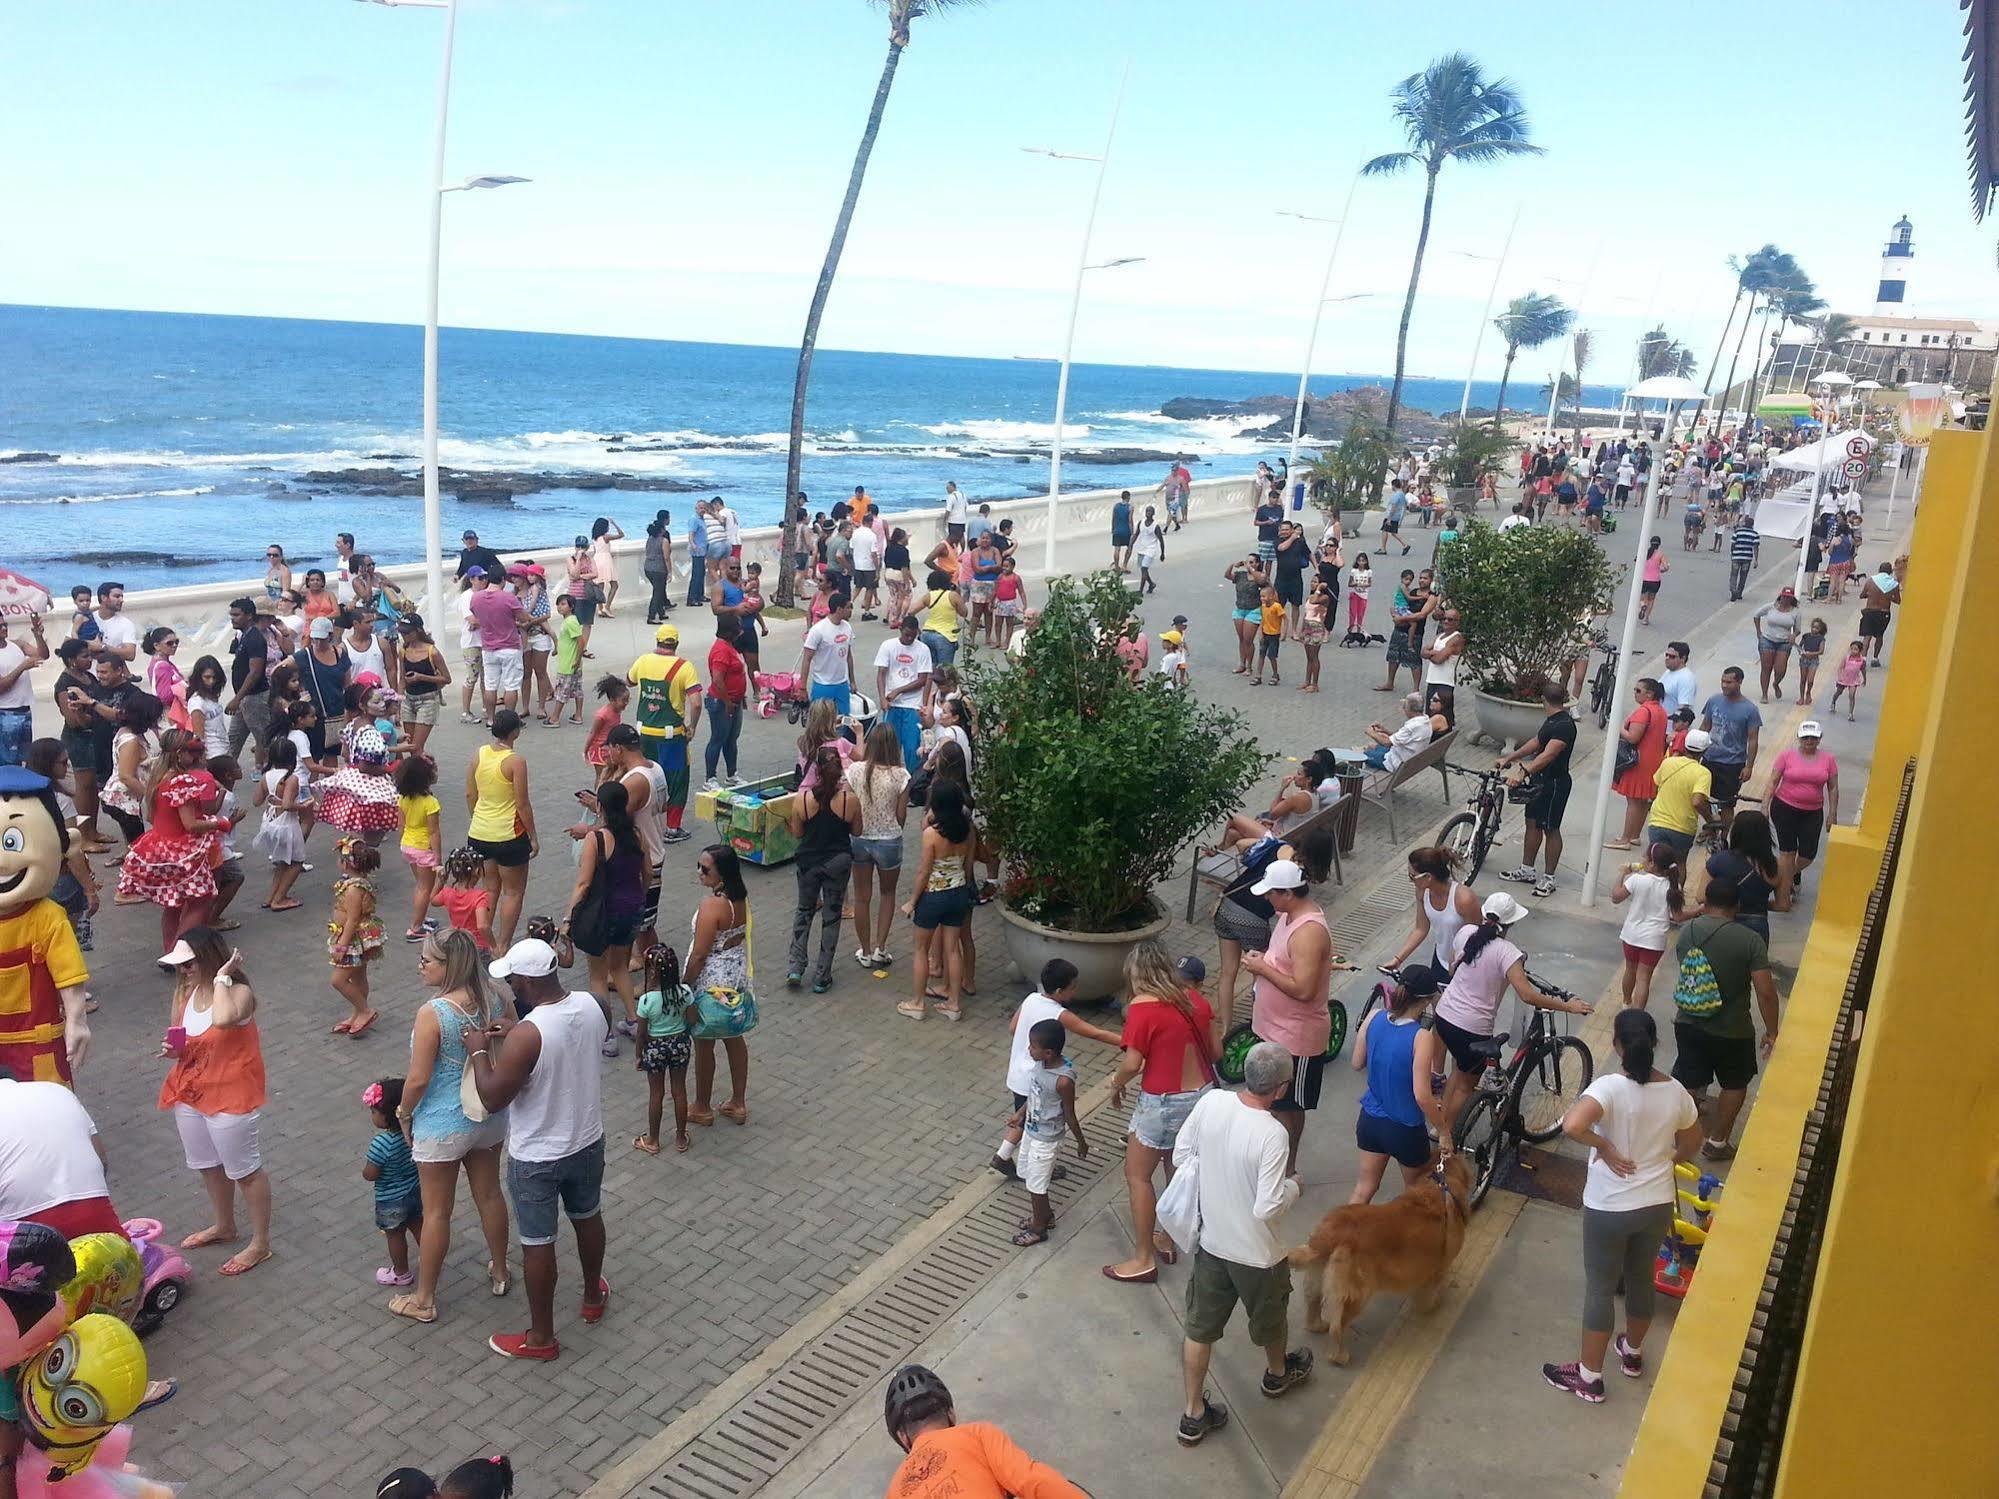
column 1090, row 784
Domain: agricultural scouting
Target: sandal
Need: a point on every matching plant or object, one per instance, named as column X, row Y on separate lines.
column 735, row 1113
column 232, row 924
column 202, row 1238
column 1029, row 1236
column 498, row 1283
column 406, row 1306
column 360, row 1026
column 647, row 1147
column 951, row 1012
column 912, row 1010
column 342, row 1027
column 702, row 1117
column 681, row 1144
column 238, row 1265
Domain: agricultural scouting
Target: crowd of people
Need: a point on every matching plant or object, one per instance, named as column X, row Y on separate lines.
column 334, row 684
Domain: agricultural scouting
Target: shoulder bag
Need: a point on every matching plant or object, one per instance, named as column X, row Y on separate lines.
column 590, row 917
column 722, row 1013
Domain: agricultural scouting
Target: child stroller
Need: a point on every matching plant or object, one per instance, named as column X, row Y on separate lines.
column 779, row 689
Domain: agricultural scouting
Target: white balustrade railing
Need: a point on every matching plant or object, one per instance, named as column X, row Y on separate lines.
column 199, row 613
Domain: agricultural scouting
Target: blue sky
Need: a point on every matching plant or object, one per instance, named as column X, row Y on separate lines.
column 270, row 157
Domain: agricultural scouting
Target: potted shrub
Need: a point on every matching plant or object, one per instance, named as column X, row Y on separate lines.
column 1475, row 450
column 1089, row 785
column 1346, row 478
column 1528, row 597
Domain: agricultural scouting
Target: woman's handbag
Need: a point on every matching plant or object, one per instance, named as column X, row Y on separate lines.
column 470, row 1104
column 720, row 1013
column 1627, row 756
column 590, row 917
column 919, row 788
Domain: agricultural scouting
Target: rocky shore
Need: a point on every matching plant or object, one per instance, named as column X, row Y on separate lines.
column 482, row 487
column 1326, row 417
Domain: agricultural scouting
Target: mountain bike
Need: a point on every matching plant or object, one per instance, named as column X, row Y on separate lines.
column 1521, row 1100
column 1603, row 687
column 1470, row 835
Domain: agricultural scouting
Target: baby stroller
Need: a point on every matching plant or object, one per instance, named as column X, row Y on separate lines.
column 779, row 689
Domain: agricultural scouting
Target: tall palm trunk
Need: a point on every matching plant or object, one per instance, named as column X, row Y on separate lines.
column 1409, row 301
column 794, row 456
column 1735, row 356
column 1715, row 363
column 1499, row 404
column 1756, row 367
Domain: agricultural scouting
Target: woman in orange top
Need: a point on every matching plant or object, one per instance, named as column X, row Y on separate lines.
column 216, row 1089
column 320, row 601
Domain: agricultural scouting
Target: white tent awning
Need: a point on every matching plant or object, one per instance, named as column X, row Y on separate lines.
column 1806, row 457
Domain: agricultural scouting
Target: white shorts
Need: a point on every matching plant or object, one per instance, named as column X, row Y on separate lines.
column 1035, row 1162
column 501, row 670
column 225, row 1140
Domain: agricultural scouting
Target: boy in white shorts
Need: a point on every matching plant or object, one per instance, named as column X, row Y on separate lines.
column 1050, row 1108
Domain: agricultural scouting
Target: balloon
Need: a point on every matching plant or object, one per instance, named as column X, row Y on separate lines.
column 35, row 1261
column 109, row 1277
column 74, row 1393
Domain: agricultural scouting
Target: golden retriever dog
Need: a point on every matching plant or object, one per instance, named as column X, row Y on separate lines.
column 1399, row 1248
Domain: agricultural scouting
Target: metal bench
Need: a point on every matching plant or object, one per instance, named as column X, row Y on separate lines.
column 1219, row 867
column 1380, row 788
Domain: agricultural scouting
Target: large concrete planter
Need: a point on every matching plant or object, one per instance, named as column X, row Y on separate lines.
column 1098, row 956
column 1507, row 721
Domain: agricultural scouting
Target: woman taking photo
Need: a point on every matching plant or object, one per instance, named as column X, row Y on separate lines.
column 604, row 562
column 613, row 847
column 580, row 583
column 719, row 966
column 425, row 676
column 879, row 785
column 502, row 827
column 215, row 1090
column 1170, row 1040
column 821, row 814
column 442, row 1136
column 942, row 901
column 1636, row 1122
column 1645, row 732
column 1443, row 908
column 1804, row 798
column 1399, row 1054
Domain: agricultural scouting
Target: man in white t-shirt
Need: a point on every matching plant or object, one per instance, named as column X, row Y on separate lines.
column 1518, row 518
column 954, row 514
column 1390, row 751
column 51, row 1161
column 902, row 672
column 1677, row 682
column 826, row 665
column 17, row 690
column 117, row 635
column 468, row 644
column 546, row 1075
column 1244, row 1189
column 867, row 568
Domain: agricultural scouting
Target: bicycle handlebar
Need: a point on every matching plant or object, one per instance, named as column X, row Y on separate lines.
column 1466, row 770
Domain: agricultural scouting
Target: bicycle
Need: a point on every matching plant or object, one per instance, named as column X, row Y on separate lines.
column 1603, row 687
column 1521, row 1100
column 1713, row 834
column 1469, row 836
column 1241, row 1037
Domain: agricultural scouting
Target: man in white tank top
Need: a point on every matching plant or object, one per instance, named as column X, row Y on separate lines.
column 547, row 1077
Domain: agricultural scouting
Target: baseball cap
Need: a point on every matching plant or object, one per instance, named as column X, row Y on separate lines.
column 1810, row 729
column 1179, row 621
column 176, row 955
column 667, row 635
column 1698, row 740
column 1420, row 981
column 368, row 679
column 321, row 628
column 470, row 536
column 528, row 958
column 1503, row 908
column 475, row 571
column 1192, row 969
column 1172, row 637
column 1281, row 874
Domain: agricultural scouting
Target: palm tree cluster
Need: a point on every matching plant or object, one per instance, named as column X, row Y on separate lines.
column 1772, row 282
column 1527, row 323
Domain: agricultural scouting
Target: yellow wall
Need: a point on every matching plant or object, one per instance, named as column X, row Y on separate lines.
column 1901, row 1356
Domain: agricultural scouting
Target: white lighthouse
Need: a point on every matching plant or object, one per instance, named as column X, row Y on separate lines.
column 1890, row 295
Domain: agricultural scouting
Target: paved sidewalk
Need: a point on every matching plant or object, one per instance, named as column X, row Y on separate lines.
column 294, row 1379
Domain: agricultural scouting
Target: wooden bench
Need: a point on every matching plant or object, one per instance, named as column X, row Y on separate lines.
column 1219, row 867
column 1380, row 788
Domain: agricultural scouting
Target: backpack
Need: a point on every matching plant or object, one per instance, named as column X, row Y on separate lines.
column 1697, row 995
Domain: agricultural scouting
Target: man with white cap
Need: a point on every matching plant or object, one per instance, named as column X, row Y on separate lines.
column 1293, row 990
column 1484, row 966
column 1683, row 786
column 544, row 1073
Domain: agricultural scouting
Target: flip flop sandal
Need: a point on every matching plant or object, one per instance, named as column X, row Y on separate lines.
column 342, row 1027
column 406, row 1306
column 702, row 1117
column 202, row 1238
column 735, row 1113
column 361, row 1026
column 681, row 1144
column 1027, row 1237
column 642, row 1144
column 497, row 1284
column 236, row 1266
column 595, row 1313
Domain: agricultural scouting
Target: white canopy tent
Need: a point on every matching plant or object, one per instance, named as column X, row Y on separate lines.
column 1806, row 458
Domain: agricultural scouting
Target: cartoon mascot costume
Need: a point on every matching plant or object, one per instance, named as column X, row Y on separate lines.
column 43, row 1033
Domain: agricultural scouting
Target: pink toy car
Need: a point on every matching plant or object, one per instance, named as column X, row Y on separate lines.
column 167, row 1274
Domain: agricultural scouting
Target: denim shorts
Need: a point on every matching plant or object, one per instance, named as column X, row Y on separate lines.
column 1157, row 1119
column 576, row 1180
column 394, row 1215
column 883, row 853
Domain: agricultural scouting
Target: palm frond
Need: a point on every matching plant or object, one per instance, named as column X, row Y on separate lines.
column 1532, row 320
column 1391, row 162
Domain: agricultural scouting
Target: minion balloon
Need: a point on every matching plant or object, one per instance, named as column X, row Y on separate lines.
column 82, row 1385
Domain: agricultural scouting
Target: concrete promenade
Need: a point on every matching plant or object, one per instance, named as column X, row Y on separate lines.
column 296, row 1382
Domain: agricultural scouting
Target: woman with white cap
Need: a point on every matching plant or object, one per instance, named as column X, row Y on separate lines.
column 1804, row 797
column 1486, row 966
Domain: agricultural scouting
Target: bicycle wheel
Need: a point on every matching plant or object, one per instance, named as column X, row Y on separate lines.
column 1235, row 1047
column 1547, row 1083
column 1336, row 1038
column 1459, row 838
column 1481, row 1137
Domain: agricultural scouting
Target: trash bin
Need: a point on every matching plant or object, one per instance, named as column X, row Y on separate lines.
column 1351, row 772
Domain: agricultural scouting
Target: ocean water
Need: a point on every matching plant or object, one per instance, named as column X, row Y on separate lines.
column 182, row 439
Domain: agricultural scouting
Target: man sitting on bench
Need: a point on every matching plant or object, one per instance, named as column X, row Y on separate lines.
column 1390, row 751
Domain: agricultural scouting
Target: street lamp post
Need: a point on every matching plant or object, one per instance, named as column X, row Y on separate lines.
column 433, row 520
column 1675, row 391
column 1485, row 317
column 1318, row 311
column 1083, row 266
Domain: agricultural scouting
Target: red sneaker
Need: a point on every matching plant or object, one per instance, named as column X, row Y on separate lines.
column 595, row 1313
column 515, row 1345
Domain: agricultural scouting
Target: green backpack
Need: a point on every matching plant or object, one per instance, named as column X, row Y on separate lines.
column 1697, row 996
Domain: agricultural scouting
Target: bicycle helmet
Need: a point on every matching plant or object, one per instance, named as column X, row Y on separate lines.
column 914, row 1394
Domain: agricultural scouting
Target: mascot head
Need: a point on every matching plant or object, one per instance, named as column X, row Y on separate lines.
column 35, row 1264
column 85, row 1383
column 33, row 839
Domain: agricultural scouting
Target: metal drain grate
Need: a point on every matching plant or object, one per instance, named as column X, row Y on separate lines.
column 745, row 1447
column 1355, row 927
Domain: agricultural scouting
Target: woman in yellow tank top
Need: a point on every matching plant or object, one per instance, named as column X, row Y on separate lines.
column 943, row 607
column 502, row 828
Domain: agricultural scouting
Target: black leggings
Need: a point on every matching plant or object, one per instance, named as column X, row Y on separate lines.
column 657, row 608
column 129, row 825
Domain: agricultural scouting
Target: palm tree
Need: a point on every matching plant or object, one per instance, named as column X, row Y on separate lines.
column 1528, row 322
column 901, row 15
column 1581, row 347
column 1835, row 330
column 1660, row 355
column 1748, row 270
column 1450, row 110
column 1789, row 292
column 1755, row 273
